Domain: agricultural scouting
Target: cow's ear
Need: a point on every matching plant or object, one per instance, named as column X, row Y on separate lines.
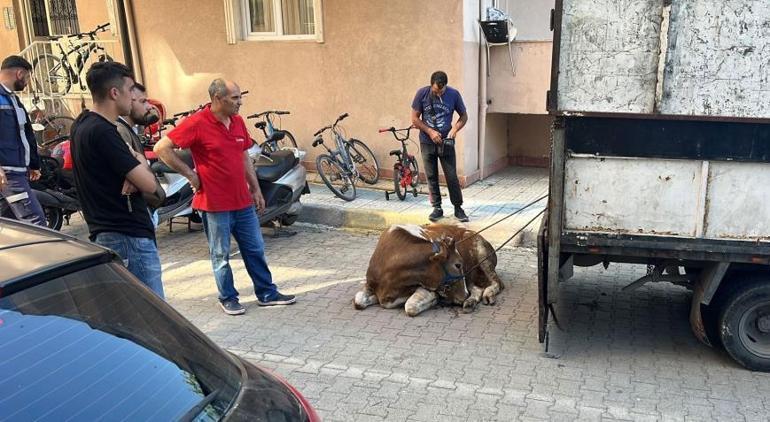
column 440, row 250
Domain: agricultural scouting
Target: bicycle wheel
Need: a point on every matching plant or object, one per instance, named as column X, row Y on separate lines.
column 364, row 160
column 334, row 177
column 55, row 127
column 415, row 172
column 288, row 141
column 398, row 176
column 50, row 75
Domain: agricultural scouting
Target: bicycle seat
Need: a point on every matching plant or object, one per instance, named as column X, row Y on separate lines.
column 276, row 136
column 395, row 152
column 279, row 163
column 161, row 167
column 260, row 125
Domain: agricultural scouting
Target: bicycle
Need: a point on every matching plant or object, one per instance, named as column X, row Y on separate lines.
column 47, row 128
column 351, row 160
column 58, row 72
column 406, row 171
column 275, row 139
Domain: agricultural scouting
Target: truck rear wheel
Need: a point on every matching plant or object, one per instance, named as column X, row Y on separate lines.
column 744, row 323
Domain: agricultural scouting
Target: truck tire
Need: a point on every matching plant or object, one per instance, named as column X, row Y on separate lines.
column 744, row 323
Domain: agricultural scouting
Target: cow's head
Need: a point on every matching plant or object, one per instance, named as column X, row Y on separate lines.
column 452, row 285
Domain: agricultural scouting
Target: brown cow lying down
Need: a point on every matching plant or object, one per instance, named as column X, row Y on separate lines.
column 414, row 265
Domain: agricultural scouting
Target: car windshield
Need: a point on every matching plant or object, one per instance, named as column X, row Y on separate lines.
column 91, row 345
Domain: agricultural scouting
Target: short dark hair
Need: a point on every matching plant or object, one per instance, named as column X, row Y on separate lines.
column 139, row 87
column 439, row 78
column 11, row 62
column 103, row 76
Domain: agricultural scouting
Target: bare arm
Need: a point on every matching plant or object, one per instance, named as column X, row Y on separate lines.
column 165, row 150
column 419, row 124
column 251, row 178
column 142, row 178
column 459, row 124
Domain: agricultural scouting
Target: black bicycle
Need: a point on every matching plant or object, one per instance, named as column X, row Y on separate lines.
column 406, row 171
column 349, row 161
column 55, row 75
column 275, row 138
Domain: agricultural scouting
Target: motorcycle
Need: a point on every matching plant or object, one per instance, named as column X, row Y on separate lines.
column 282, row 180
column 179, row 193
column 55, row 190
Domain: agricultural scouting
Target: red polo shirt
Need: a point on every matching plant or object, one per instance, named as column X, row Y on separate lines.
column 218, row 155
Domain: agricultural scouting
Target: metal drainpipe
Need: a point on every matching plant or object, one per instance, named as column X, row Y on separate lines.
column 483, row 106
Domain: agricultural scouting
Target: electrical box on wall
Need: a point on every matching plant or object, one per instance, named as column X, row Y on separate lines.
column 9, row 20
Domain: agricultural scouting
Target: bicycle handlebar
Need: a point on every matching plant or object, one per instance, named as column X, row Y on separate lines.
column 341, row 118
column 322, row 130
column 91, row 34
column 265, row 113
column 395, row 134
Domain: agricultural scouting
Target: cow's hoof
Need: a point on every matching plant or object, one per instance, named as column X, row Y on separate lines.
column 411, row 311
column 489, row 299
column 469, row 305
column 360, row 302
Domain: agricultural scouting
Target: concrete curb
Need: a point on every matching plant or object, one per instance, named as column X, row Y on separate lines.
column 378, row 220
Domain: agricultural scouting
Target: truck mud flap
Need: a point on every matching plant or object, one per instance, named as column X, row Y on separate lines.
column 542, row 279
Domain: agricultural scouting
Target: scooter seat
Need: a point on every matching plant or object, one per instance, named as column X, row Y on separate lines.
column 161, row 167
column 276, row 165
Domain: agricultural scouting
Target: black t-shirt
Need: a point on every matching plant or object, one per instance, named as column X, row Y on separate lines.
column 101, row 161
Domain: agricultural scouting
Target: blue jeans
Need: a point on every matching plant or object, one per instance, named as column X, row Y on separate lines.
column 244, row 226
column 18, row 201
column 140, row 254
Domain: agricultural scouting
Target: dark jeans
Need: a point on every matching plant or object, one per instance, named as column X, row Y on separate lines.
column 243, row 225
column 18, row 201
column 430, row 159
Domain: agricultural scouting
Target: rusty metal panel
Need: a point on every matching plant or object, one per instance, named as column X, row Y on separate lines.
column 718, row 61
column 669, row 58
column 633, row 195
column 609, row 55
column 736, row 202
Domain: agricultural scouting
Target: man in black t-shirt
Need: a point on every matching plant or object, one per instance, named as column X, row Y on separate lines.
column 110, row 177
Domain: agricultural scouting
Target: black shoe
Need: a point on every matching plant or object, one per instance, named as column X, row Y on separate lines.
column 436, row 214
column 460, row 215
column 278, row 299
column 232, row 307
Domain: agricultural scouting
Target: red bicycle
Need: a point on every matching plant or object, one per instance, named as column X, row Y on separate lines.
column 406, row 171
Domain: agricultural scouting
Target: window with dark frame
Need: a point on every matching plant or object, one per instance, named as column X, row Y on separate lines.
column 62, row 15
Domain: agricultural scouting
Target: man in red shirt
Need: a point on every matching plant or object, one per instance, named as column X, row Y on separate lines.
column 226, row 191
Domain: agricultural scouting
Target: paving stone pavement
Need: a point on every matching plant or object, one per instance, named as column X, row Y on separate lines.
column 621, row 356
column 485, row 202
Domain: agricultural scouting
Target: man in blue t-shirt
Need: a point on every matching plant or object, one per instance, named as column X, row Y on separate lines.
column 432, row 110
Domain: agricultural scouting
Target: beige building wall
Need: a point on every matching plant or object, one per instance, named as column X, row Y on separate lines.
column 526, row 91
column 529, row 139
column 373, row 58
column 9, row 38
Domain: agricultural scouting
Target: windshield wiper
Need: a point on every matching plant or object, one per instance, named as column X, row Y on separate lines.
column 198, row 408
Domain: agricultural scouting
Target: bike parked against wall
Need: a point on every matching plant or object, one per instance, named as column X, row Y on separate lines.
column 54, row 74
column 406, row 171
column 47, row 127
column 55, row 190
column 349, row 161
column 275, row 138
